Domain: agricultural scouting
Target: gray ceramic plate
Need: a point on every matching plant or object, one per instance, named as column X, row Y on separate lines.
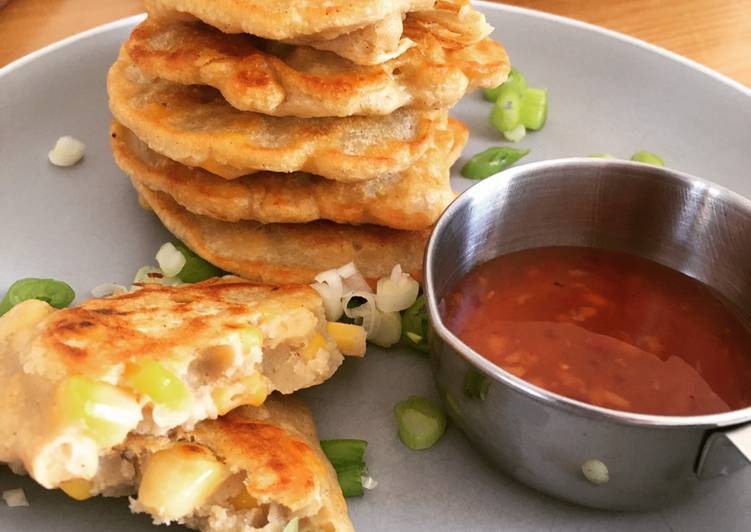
column 82, row 224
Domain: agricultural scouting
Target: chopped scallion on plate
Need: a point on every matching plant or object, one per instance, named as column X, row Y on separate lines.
column 348, row 458
column 56, row 293
column 492, row 161
column 195, row 269
column 421, row 422
column 648, row 157
column 415, row 325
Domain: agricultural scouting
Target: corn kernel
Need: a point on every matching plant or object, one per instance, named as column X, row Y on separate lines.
column 250, row 338
column 157, row 382
column 315, row 344
column 178, row 480
column 350, row 339
column 77, row 488
column 244, row 501
column 105, row 412
column 251, row 390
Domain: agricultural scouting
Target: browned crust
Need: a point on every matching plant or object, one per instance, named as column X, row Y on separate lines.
column 289, row 253
column 282, row 80
column 412, row 200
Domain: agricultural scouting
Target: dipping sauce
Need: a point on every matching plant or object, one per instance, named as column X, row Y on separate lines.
column 606, row 328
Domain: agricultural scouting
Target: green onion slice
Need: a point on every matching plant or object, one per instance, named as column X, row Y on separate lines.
column 492, row 161
column 345, row 451
column 348, row 458
column 476, row 384
column 516, row 134
column 196, row 269
column 350, row 479
column 533, row 111
column 648, row 157
column 505, row 115
column 421, row 422
column 415, row 325
column 56, row 293
column 515, row 81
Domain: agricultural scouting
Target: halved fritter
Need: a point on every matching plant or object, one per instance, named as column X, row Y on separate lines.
column 194, row 125
column 255, row 468
column 77, row 381
column 285, row 253
column 282, row 80
column 411, row 200
column 364, row 31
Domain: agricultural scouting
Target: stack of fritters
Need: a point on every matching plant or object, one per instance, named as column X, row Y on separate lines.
column 281, row 139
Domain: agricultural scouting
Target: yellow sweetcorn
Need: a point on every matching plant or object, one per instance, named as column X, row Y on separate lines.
column 163, row 387
column 104, row 412
column 250, row 338
column 315, row 344
column 179, row 479
column 244, row 501
column 252, row 390
column 77, row 488
column 349, row 338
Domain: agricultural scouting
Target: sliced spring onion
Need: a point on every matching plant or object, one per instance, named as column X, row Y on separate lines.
column 515, row 81
column 421, row 422
column 196, row 269
column 492, row 161
column 516, row 134
column 415, row 325
column 476, row 385
column 648, row 157
column 388, row 331
column 293, row 525
column 534, row 108
column 352, row 279
column 56, row 293
column 332, row 300
column 396, row 292
column 348, row 458
column 506, row 111
column 344, row 451
column 329, row 285
column 366, row 311
column 350, row 479
column 170, row 259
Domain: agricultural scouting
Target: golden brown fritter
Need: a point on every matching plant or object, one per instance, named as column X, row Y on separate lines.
column 410, row 200
column 283, row 80
column 195, row 126
column 272, row 453
column 364, row 31
column 283, row 253
column 76, row 381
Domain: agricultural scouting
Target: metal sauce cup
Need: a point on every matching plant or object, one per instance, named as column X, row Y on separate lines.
column 542, row 438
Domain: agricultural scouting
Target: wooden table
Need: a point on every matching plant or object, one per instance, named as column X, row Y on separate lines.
column 715, row 33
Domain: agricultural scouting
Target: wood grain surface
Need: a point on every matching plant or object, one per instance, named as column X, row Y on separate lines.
column 715, row 33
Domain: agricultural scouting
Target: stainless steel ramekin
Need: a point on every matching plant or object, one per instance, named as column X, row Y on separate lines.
column 542, row 438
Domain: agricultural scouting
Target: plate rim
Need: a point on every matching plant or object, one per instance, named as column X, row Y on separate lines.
column 484, row 4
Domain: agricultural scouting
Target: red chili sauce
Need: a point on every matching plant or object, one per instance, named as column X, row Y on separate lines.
column 606, row 328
